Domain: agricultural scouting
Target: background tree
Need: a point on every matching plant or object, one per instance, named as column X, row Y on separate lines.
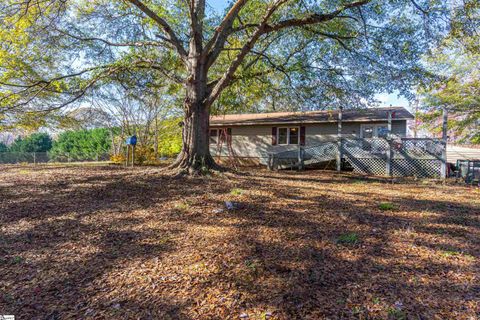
column 55, row 52
column 82, row 144
column 456, row 64
column 36, row 142
column 3, row 147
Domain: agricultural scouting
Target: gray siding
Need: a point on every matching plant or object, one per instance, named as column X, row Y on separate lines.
column 256, row 141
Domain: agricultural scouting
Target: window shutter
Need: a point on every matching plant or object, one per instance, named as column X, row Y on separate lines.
column 229, row 134
column 274, row 136
column 302, row 136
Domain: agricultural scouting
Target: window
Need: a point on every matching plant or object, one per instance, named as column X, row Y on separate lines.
column 282, row 136
column 213, row 136
column 293, row 136
column 374, row 131
column 367, row 131
column 382, row 131
column 288, row 135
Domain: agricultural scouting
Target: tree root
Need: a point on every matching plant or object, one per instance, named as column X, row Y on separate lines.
column 195, row 166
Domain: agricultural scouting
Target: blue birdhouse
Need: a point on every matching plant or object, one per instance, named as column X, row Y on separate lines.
column 131, row 140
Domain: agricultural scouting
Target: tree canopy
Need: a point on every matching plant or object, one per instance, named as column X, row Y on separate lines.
column 456, row 64
column 257, row 55
column 36, row 142
column 82, row 144
column 324, row 52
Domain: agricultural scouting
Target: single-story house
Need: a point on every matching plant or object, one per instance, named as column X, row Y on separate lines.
column 254, row 136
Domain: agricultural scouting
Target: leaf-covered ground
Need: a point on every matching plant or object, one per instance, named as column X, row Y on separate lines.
column 110, row 243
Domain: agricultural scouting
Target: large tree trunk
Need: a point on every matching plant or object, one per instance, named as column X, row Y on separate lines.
column 195, row 155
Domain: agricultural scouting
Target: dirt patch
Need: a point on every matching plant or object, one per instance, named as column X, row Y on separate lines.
column 110, row 243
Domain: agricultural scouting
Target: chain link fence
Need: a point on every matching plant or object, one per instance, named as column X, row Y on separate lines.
column 46, row 157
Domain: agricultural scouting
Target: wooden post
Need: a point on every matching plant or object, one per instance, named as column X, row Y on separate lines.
column 389, row 142
column 155, row 145
column 415, row 127
column 34, row 158
column 133, row 155
column 444, row 144
column 126, row 156
column 339, row 139
column 300, row 158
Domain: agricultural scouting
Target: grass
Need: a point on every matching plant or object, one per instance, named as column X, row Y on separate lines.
column 237, row 192
column 17, row 260
column 452, row 253
column 396, row 314
column 348, row 238
column 386, row 206
column 182, row 206
column 115, row 242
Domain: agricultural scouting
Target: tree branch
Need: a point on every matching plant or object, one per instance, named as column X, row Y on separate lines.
column 217, row 42
column 112, row 44
column 226, row 77
column 264, row 28
column 314, row 18
column 171, row 36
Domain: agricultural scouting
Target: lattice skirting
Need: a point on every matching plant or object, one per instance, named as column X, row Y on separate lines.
column 376, row 166
column 424, row 168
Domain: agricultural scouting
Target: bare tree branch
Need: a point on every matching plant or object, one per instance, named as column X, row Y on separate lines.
column 112, row 44
column 171, row 36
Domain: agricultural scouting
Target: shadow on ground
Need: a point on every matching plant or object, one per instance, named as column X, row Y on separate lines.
column 114, row 243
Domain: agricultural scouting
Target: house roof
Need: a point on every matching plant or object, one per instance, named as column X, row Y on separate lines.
column 354, row 115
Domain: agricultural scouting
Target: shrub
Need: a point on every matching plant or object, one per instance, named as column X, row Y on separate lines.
column 117, row 158
column 82, row 144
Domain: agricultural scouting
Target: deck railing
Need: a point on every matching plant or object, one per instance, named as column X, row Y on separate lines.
column 419, row 157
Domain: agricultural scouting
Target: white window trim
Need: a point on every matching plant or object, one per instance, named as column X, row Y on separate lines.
column 288, row 135
column 375, row 128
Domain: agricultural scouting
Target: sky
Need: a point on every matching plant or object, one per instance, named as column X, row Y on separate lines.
column 392, row 99
column 384, row 98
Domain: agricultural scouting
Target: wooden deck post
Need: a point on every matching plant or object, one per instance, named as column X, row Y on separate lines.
column 300, row 158
column 339, row 140
column 133, row 155
column 443, row 170
column 126, row 155
column 389, row 141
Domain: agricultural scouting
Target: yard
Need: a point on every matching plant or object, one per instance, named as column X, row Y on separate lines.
column 110, row 243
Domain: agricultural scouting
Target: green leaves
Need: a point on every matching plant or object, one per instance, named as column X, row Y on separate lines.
column 456, row 62
column 82, row 144
column 36, row 142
